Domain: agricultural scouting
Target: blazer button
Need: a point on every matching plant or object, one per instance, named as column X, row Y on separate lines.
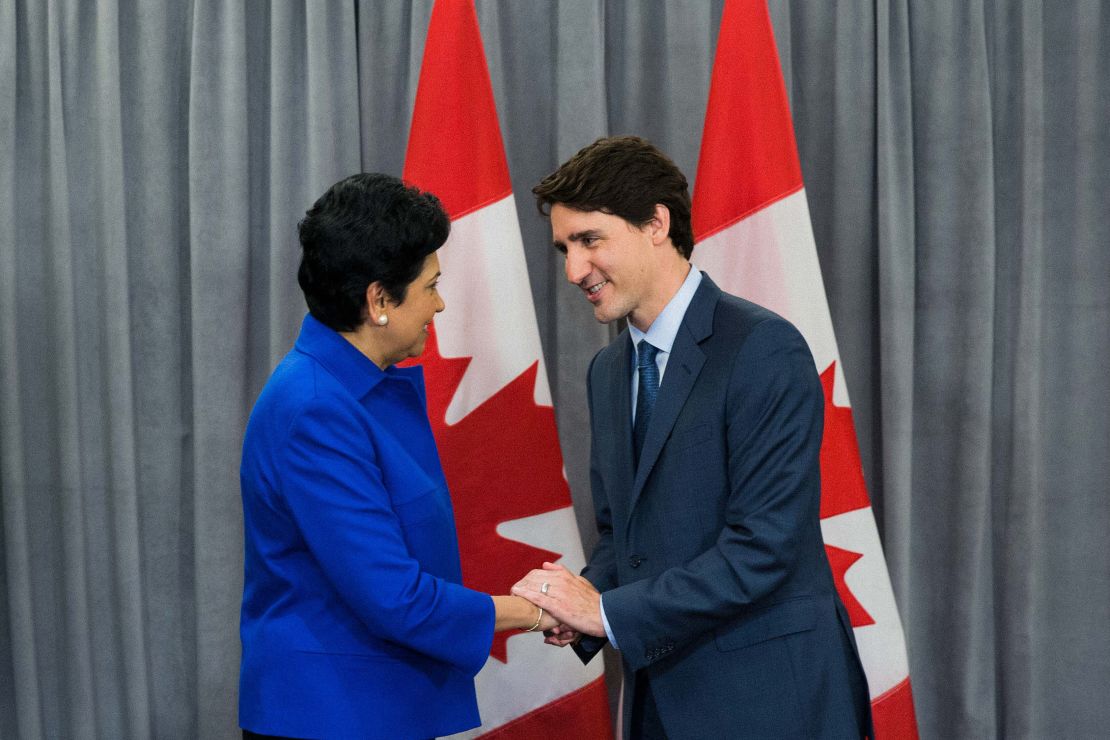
column 635, row 561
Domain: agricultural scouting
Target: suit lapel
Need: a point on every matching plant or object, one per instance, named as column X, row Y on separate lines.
column 620, row 410
column 683, row 366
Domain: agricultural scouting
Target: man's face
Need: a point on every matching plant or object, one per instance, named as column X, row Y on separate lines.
column 609, row 259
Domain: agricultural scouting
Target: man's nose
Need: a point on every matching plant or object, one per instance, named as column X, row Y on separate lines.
column 577, row 267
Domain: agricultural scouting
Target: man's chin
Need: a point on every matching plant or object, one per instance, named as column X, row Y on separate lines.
column 602, row 316
column 607, row 314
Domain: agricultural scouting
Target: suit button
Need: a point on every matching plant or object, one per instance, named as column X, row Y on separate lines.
column 635, row 561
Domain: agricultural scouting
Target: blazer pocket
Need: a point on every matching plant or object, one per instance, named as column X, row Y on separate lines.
column 776, row 620
column 692, row 436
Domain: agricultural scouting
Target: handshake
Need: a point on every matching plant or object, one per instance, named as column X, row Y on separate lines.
column 571, row 605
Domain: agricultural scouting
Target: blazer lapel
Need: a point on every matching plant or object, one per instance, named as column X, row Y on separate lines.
column 683, row 367
column 619, row 408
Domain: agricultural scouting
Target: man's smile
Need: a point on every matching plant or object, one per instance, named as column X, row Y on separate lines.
column 593, row 290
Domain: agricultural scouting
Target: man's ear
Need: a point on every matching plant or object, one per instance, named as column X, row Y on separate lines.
column 660, row 224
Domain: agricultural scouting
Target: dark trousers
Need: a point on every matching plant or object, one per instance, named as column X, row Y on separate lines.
column 645, row 723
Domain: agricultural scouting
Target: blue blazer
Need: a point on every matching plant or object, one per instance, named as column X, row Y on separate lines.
column 354, row 620
column 711, row 562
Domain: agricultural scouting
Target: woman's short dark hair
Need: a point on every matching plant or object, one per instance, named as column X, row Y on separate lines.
column 369, row 227
column 623, row 176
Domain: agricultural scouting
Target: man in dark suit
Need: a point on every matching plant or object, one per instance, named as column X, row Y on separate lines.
column 710, row 575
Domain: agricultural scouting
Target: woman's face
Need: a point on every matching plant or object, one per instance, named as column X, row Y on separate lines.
column 407, row 330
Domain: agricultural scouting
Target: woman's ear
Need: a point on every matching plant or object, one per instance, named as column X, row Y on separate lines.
column 376, row 303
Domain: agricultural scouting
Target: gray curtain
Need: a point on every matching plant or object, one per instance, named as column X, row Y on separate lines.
column 154, row 160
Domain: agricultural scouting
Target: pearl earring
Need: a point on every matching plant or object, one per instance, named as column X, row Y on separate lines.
column 383, row 320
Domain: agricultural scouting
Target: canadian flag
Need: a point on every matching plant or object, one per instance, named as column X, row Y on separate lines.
column 488, row 395
column 754, row 239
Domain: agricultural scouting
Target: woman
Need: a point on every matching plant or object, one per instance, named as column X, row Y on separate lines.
column 354, row 620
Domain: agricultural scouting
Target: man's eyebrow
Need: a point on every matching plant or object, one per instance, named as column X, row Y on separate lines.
column 577, row 236
column 580, row 235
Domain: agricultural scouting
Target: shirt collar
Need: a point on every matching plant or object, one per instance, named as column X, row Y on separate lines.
column 664, row 329
column 346, row 363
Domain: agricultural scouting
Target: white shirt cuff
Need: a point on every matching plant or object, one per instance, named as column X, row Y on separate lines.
column 605, row 624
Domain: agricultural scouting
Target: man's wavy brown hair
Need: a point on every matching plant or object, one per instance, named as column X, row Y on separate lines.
column 624, row 176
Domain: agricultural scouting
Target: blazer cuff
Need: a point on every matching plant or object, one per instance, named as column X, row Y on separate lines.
column 642, row 644
column 588, row 647
column 470, row 634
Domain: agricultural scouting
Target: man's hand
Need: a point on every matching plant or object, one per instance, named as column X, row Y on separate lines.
column 569, row 598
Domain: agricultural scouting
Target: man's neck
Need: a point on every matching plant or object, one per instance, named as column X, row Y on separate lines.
column 667, row 284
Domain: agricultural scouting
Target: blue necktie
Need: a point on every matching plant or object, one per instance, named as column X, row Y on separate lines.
column 645, row 394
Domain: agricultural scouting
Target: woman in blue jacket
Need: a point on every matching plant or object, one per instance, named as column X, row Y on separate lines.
column 355, row 622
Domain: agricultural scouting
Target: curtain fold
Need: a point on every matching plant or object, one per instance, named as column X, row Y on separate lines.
column 154, row 163
column 1019, row 136
column 154, row 73
column 895, row 257
column 954, row 275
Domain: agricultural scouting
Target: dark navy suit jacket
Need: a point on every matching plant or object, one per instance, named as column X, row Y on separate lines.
column 354, row 621
column 711, row 562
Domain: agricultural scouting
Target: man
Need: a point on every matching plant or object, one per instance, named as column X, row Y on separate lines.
column 710, row 575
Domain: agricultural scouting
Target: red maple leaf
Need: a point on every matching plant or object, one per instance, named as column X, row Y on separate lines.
column 840, row 561
column 842, row 486
column 502, row 462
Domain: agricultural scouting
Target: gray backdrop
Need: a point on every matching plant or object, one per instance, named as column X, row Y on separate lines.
column 155, row 157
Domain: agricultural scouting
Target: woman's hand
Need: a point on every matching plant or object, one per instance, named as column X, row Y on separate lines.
column 514, row 612
column 561, row 635
column 547, row 623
